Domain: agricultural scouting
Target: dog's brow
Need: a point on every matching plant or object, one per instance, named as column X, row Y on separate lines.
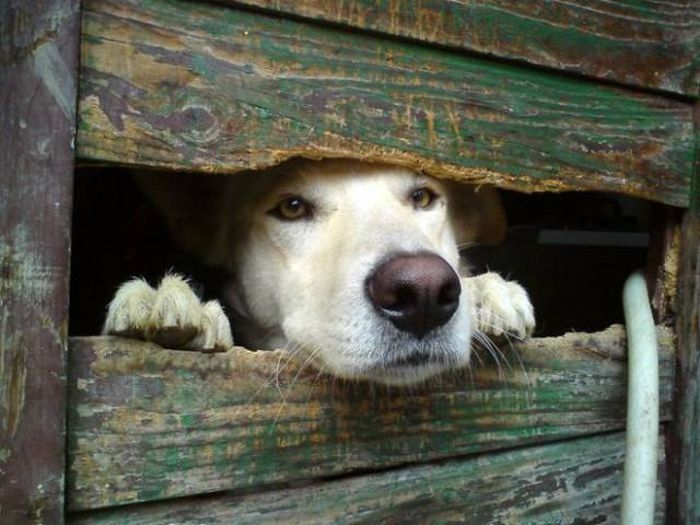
column 421, row 180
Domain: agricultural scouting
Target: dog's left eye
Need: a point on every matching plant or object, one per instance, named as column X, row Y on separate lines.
column 423, row 197
column 291, row 209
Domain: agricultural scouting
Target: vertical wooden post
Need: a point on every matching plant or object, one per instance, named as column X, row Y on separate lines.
column 685, row 466
column 38, row 84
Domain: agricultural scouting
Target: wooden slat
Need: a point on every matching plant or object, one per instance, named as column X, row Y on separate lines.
column 147, row 423
column 685, row 460
column 645, row 43
column 185, row 85
column 38, row 88
column 578, row 481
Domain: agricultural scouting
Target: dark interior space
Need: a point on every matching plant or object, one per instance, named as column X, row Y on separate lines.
column 571, row 251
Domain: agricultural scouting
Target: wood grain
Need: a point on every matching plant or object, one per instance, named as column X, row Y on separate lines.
column 38, row 88
column 685, row 460
column 185, row 85
column 148, row 424
column 644, row 43
column 574, row 482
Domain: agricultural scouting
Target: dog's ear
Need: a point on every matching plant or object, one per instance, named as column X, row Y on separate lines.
column 476, row 213
column 193, row 207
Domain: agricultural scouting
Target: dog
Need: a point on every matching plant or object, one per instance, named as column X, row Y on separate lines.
column 354, row 265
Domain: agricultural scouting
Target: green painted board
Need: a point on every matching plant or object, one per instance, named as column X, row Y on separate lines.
column 147, row 424
column 38, row 91
column 187, row 85
column 574, row 482
column 643, row 43
column 685, row 462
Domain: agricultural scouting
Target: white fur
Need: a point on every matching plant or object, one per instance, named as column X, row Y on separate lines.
column 301, row 284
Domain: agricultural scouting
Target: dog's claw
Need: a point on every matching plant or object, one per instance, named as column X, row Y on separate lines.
column 215, row 335
column 171, row 316
column 500, row 307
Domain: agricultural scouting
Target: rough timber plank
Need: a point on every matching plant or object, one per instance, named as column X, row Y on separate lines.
column 685, row 506
column 576, row 482
column 147, row 423
column 38, row 87
column 186, row 85
column 642, row 43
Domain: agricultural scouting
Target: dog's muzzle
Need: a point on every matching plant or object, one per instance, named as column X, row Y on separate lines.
column 417, row 292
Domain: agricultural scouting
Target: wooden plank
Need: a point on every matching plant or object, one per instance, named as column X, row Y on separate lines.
column 685, row 504
column 578, row 481
column 147, row 423
column 186, row 85
column 646, row 43
column 38, row 86
column 663, row 259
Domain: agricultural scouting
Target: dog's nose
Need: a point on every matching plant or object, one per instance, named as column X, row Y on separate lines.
column 416, row 292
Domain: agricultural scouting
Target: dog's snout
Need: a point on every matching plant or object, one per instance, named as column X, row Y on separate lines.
column 416, row 292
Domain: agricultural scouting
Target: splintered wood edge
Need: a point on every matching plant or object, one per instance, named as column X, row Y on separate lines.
column 146, row 423
column 117, row 355
column 189, row 86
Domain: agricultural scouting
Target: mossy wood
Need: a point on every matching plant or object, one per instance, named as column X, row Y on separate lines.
column 38, row 91
column 685, row 483
column 574, row 482
column 185, row 85
column 147, row 423
column 643, row 43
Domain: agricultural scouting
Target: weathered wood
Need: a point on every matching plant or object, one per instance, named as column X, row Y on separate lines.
column 685, row 460
column 663, row 259
column 647, row 43
column 147, row 423
column 186, row 85
column 38, row 86
column 578, row 481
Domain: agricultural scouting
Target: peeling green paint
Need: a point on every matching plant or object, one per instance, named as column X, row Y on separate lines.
column 153, row 423
column 276, row 88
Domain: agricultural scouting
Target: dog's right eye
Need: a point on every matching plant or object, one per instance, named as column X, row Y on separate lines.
column 291, row 209
column 423, row 197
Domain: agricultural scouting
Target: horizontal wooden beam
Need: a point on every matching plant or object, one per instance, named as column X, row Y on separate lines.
column 648, row 44
column 186, row 85
column 147, row 423
column 577, row 481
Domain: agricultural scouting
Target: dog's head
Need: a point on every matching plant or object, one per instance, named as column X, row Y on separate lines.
column 356, row 265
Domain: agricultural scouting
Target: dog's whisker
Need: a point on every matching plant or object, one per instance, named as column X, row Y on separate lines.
column 292, row 349
column 503, row 323
column 303, row 366
column 288, row 351
column 476, row 354
column 285, row 395
column 291, row 287
column 320, row 372
column 529, row 387
column 491, row 348
column 470, row 375
column 273, row 378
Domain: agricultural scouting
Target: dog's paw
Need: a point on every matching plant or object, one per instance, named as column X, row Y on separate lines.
column 500, row 307
column 171, row 315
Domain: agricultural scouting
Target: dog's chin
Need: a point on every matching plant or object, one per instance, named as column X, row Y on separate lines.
column 396, row 372
column 403, row 361
column 401, row 375
column 372, row 349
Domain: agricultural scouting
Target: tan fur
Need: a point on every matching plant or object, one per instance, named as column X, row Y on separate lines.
column 301, row 284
